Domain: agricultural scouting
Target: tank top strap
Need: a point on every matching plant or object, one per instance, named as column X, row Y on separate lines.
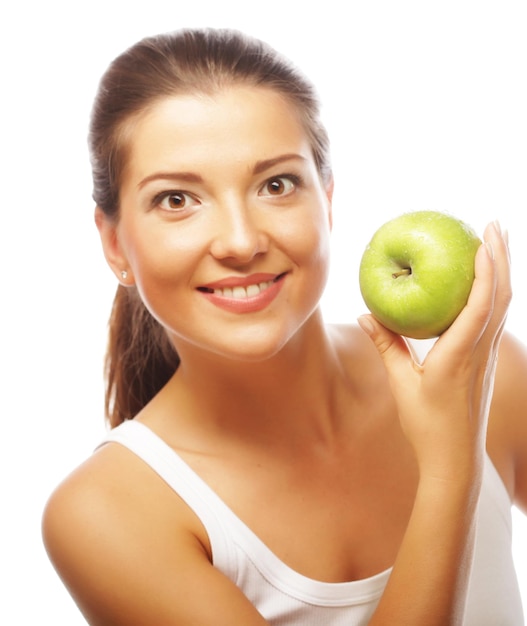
column 169, row 466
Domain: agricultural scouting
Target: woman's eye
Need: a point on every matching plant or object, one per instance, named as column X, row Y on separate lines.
column 279, row 186
column 175, row 201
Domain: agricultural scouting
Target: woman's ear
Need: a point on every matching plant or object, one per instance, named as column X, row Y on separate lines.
column 113, row 252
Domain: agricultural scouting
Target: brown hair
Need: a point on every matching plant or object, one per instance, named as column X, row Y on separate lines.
column 140, row 358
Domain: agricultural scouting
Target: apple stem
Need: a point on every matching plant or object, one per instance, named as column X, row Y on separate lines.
column 406, row 271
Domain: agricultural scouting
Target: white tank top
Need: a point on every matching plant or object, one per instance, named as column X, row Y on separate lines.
column 286, row 598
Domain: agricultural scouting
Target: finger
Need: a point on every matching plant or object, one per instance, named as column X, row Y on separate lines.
column 392, row 348
column 500, row 247
column 498, row 242
column 480, row 324
column 466, row 331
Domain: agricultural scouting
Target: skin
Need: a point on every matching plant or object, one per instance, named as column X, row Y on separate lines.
column 395, row 440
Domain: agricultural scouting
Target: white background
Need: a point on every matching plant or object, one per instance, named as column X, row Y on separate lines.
column 426, row 104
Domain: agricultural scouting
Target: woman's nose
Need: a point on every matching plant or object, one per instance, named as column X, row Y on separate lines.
column 238, row 234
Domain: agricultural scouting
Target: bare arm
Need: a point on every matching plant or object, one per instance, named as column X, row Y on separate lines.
column 443, row 408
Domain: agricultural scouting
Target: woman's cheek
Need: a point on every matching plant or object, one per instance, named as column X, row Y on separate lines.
column 312, row 241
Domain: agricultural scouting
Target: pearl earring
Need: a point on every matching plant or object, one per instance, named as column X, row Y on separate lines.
column 124, row 274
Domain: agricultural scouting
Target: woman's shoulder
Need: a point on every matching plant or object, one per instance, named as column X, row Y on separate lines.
column 351, row 341
column 110, row 516
column 357, row 354
column 512, row 362
column 507, row 430
column 131, row 552
column 509, row 405
column 111, row 485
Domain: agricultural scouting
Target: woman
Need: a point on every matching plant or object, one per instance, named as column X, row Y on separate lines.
column 263, row 467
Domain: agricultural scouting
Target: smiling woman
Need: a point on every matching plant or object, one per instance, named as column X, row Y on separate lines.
column 245, row 430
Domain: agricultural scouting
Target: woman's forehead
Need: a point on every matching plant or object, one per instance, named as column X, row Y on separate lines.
column 239, row 123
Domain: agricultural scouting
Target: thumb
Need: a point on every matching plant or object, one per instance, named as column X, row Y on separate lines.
column 392, row 348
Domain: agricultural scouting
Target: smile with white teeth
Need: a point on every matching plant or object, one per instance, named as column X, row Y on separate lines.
column 238, row 293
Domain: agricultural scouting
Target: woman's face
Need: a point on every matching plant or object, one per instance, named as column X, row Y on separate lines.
column 224, row 223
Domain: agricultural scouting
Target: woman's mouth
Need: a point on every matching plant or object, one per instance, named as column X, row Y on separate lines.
column 250, row 296
column 238, row 292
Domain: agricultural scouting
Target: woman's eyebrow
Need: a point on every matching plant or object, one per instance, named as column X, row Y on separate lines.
column 189, row 177
column 262, row 166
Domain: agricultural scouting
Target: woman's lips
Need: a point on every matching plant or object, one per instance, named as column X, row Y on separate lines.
column 244, row 294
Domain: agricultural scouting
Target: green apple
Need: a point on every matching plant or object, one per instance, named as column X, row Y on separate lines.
column 416, row 273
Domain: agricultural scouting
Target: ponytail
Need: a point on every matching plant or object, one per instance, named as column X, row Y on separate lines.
column 139, row 360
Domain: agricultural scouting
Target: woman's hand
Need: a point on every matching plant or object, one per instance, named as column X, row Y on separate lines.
column 443, row 403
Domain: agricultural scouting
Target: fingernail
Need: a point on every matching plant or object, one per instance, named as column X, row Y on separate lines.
column 366, row 325
column 497, row 226
column 490, row 249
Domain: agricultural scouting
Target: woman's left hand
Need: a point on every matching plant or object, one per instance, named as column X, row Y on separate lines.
column 443, row 403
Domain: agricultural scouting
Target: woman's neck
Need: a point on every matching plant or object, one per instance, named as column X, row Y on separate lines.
column 293, row 394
